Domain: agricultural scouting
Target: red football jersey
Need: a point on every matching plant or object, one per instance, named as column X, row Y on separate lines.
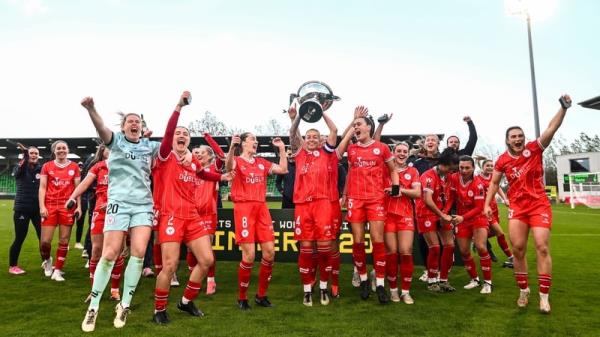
column 157, row 184
column 312, row 180
column 368, row 170
column 432, row 182
column 206, row 193
column 178, row 186
column 250, row 181
column 61, row 182
column 525, row 173
column 100, row 170
column 486, row 184
column 334, row 194
column 409, row 179
column 469, row 198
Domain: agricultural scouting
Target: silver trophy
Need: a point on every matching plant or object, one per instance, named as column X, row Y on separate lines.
column 313, row 98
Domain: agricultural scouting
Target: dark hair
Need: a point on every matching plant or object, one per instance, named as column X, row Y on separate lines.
column 512, row 128
column 448, row 157
column 467, row 158
column 453, row 136
column 238, row 149
column 371, row 123
column 485, row 161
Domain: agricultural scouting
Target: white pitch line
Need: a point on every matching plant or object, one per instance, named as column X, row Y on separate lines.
column 580, row 234
column 578, row 213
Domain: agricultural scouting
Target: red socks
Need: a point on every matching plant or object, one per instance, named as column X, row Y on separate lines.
column 391, row 269
column 93, row 264
column 335, row 268
column 360, row 257
column 161, row 296
column 406, row 270
column 504, row 245
column 521, row 280
column 115, row 277
column 447, row 261
column 379, row 259
column 545, row 283
column 191, row 290
column 244, row 272
column 264, row 277
column 486, row 265
column 470, row 266
column 304, row 264
column 324, row 254
column 433, row 258
column 61, row 256
column 191, row 260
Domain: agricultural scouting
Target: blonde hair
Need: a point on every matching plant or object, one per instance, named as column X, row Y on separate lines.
column 125, row 115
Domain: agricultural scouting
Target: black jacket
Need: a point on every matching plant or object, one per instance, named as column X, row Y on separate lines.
column 285, row 183
column 27, row 179
column 470, row 147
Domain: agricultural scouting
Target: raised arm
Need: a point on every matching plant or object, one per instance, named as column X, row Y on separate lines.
column 359, row 111
column 295, row 137
column 20, row 168
column 470, row 147
column 332, row 137
column 214, row 145
column 382, row 121
column 491, row 192
column 229, row 162
column 556, row 121
column 167, row 142
column 103, row 131
column 281, row 168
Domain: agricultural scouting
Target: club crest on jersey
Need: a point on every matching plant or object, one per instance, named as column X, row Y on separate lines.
column 261, row 167
column 407, row 176
column 376, row 151
column 470, row 193
column 170, row 230
column 526, row 153
column 316, row 153
column 245, row 233
column 71, row 172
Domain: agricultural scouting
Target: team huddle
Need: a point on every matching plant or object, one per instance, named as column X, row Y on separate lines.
column 391, row 191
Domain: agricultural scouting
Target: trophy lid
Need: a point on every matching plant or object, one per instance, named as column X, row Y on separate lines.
column 317, row 87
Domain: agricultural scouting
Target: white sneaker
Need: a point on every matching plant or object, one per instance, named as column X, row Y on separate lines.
column 57, row 276
column 84, row 254
column 174, row 281
column 89, row 321
column 406, row 298
column 78, row 245
column 474, row 283
column 523, row 298
column 121, row 316
column 87, row 264
column 394, row 296
column 544, row 305
column 373, row 281
column 486, row 289
column 355, row 279
column 424, row 277
column 47, row 267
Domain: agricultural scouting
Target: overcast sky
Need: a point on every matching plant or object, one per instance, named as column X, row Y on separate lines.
column 429, row 62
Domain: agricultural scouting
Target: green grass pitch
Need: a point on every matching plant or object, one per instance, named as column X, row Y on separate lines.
column 34, row 305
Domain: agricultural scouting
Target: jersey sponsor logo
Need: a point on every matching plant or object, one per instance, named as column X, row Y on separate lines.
column 376, row 151
column 252, row 179
column 526, row 153
column 261, row 167
column 516, row 173
column 364, row 163
column 407, row 176
column 186, row 178
column 71, row 172
column 58, row 182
